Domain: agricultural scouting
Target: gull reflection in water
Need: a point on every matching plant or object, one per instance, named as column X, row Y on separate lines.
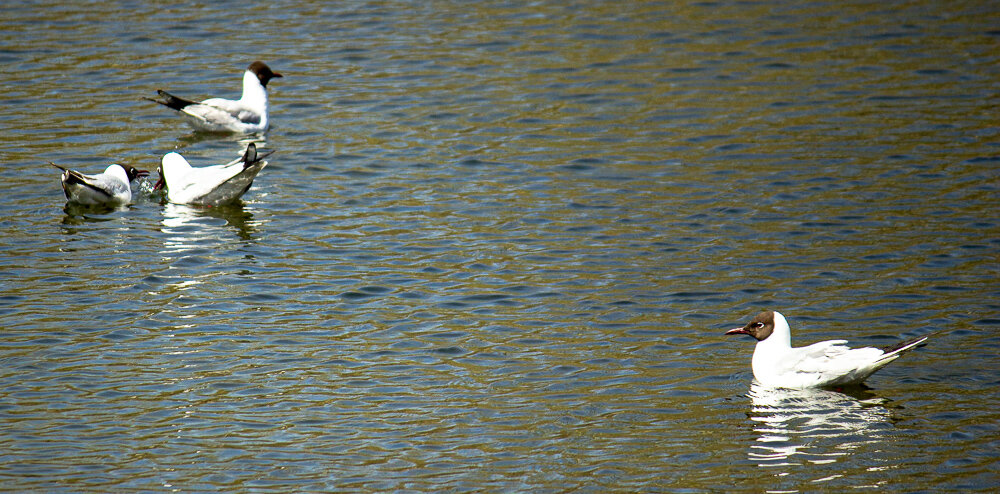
column 80, row 214
column 187, row 227
column 193, row 237
column 814, row 426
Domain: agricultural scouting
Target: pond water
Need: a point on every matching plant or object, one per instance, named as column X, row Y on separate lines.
column 498, row 245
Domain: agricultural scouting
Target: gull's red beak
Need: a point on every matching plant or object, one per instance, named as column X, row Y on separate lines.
column 737, row 331
column 160, row 183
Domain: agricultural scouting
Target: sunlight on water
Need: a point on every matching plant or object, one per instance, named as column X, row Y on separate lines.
column 498, row 245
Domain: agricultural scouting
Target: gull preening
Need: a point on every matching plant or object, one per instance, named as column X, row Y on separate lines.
column 777, row 364
column 112, row 188
column 209, row 185
column 247, row 115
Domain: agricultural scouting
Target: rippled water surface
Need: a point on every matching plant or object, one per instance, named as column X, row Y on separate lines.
column 498, row 245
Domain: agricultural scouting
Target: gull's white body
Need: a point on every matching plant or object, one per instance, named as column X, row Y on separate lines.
column 108, row 188
column 247, row 115
column 208, row 185
column 776, row 363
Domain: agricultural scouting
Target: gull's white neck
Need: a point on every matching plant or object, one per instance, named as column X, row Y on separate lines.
column 778, row 342
column 254, row 95
column 768, row 354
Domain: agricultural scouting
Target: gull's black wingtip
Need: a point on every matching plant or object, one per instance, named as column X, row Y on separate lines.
column 912, row 343
column 171, row 101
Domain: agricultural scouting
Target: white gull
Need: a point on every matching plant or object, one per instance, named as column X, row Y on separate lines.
column 247, row 115
column 777, row 364
column 109, row 188
column 209, row 185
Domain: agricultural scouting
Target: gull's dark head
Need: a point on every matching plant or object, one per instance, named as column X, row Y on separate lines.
column 134, row 173
column 760, row 327
column 263, row 72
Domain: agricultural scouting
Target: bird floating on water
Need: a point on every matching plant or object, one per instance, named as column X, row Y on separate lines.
column 112, row 188
column 247, row 115
column 209, row 185
column 777, row 364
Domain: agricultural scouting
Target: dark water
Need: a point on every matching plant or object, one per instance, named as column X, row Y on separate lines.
column 498, row 246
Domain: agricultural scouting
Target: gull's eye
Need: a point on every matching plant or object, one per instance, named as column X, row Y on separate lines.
column 758, row 325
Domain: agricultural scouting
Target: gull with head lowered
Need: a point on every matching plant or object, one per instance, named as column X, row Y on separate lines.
column 209, row 185
column 113, row 187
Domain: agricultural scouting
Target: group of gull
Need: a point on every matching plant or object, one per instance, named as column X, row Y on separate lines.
column 775, row 362
column 184, row 184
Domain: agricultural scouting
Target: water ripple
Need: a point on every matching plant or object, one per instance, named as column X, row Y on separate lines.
column 497, row 248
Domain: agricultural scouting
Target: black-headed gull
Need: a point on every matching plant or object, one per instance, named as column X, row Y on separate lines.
column 209, row 185
column 246, row 115
column 113, row 187
column 828, row 363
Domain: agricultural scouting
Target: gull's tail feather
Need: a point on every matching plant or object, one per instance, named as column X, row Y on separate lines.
column 892, row 352
column 71, row 176
column 171, row 101
column 250, row 157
